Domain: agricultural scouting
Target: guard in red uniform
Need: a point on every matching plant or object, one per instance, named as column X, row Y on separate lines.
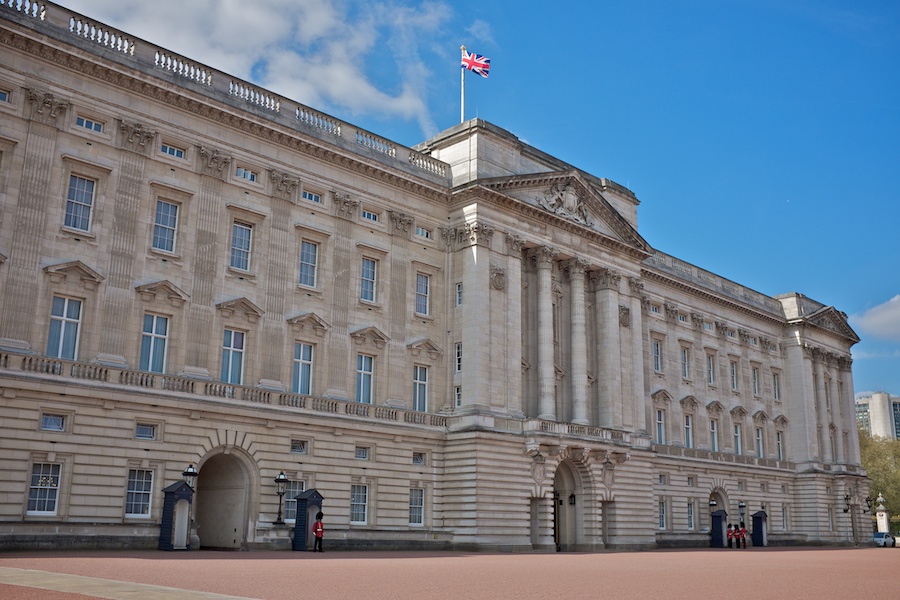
column 743, row 534
column 318, row 531
column 730, row 535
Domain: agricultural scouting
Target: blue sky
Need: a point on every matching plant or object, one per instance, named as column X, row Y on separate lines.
column 761, row 136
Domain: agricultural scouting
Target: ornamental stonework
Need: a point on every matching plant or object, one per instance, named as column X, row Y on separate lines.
column 565, row 200
column 135, row 136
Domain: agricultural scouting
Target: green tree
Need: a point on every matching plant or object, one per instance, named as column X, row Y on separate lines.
column 881, row 460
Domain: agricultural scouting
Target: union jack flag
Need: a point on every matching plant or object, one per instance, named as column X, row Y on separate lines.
column 476, row 62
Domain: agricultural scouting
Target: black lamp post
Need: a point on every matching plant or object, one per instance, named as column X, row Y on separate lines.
column 741, row 506
column 868, row 504
column 847, row 501
column 280, row 486
column 190, row 475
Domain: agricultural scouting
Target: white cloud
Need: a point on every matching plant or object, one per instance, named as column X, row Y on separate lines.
column 317, row 52
column 882, row 321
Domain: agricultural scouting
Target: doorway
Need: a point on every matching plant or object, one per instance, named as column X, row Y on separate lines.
column 222, row 500
column 568, row 512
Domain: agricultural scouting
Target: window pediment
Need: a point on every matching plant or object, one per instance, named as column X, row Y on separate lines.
column 425, row 345
column 760, row 416
column 689, row 403
column 738, row 412
column 369, row 334
column 715, row 408
column 175, row 295
column 309, row 322
column 781, row 421
column 250, row 311
column 77, row 270
column 661, row 397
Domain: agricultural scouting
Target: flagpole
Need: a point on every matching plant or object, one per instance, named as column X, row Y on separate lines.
column 462, row 87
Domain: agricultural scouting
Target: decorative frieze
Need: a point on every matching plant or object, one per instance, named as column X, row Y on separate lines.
column 401, row 223
column 134, row 136
column 475, row 233
column 697, row 320
column 671, row 311
column 344, row 206
column 722, row 327
column 213, row 163
column 283, row 184
column 45, row 107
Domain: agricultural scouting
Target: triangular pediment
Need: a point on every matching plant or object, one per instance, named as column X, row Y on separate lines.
column 163, row 288
column 76, row 270
column 309, row 321
column 781, row 421
column 715, row 408
column 689, row 403
column 661, row 397
column 242, row 306
column 369, row 335
column 760, row 416
column 738, row 412
column 570, row 196
column 834, row 321
column 424, row 345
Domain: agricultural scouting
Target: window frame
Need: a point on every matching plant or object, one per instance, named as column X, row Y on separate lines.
column 459, row 293
column 714, row 435
column 734, row 375
column 738, row 438
column 74, row 200
column 685, row 363
column 420, row 388
column 139, row 497
column 159, row 227
column 359, row 497
column 691, row 514
column 64, row 323
column 760, row 443
column 302, row 368
column 656, row 349
column 368, row 279
column 96, row 125
column 688, row 431
column 711, row 360
column 311, row 196
column 153, row 336
column 308, row 269
column 230, row 351
column 417, row 506
column 164, row 145
column 365, row 378
column 290, row 502
column 36, row 497
column 660, row 428
column 44, row 422
column 457, row 357
column 236, row 252
column 423, row 298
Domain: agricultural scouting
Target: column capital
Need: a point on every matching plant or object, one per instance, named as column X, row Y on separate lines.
column 543, row 255
column 606, row 279
column 576, row 267
column 514, row 243
column 636, row 285
column 283, row 184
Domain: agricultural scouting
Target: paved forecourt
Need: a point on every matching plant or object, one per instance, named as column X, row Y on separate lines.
column 858, row 573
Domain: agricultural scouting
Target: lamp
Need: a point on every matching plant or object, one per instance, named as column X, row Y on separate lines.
column 712, row 505
column 280, row 486
column 741, row 506
column 190, row 475
column 572, row 499
column 868, row 505
column 847, row 500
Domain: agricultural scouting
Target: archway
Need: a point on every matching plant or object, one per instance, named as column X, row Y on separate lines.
column 568, row 508
column 223, row 488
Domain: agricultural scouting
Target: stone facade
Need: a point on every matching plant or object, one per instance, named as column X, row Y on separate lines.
column 466, row 344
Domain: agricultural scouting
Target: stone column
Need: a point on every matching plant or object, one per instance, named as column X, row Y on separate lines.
column 613, row 323
column 851, row 452
column 576, row 268
column 836, row 402
column 824, row 425
column 544, row 257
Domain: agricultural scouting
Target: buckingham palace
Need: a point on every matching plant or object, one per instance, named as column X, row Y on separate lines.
column 462, row 345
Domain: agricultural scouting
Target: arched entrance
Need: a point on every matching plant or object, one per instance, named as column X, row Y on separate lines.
column 568, row 508
column 223, row 490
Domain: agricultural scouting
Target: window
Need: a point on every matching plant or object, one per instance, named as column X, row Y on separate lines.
column 776, row 386
column 359, row 504
column 784, row 518
column 291, row 490
column 241, row 238
column 686, row 363
column 459, row 294
column 79, row 203
column 458, row 364
column 416, row 506
column 368, row 215
column 738, row 447
column 164, row 226
column 246, row 174
column 654, row 308
column 425, row 233
column 145, row 431
column 662, row 479
column 657, row 356
column 753, row 341
column 420, row 388
column 4, row 96
column 172, row 151
column 711, row 369
column 662, row 514
column 688, row 431
column 65, row 319
column 730, row 333
column 43, row 492
column 690, row 514
column 367, row 279
column 153, row 343
column 309, row 253
column 89, row 124
column 140, row 491
column 707, row 325
column 307, row 195
column 779, row 445
column 299, row 446
column 423, row 286
column 457, row 394
column 303, row 364
column 418, row 458
column 682, row 318
column 690, row 481
column 660, row 426
column 53, row 422
column 733, row 373
column 754, row 376
column 364, row 375
column 233, row 357
column 361, row 453
column 714, row 435
column 759, row 443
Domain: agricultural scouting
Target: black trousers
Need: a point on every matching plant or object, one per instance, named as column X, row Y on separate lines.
column 317, row 544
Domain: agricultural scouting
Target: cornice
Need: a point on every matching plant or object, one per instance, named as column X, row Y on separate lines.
column 180, row 98
column 478, row 192
column 697, row 291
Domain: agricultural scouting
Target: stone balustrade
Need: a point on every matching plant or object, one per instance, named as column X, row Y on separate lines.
column 57, row 22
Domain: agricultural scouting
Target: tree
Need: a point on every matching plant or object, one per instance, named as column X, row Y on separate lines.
column 881, row 460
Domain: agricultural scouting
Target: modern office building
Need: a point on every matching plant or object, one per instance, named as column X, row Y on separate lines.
column 466, row 344
column 879, row 414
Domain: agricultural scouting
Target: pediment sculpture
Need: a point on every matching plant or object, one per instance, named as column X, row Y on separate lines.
column 565, row 200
